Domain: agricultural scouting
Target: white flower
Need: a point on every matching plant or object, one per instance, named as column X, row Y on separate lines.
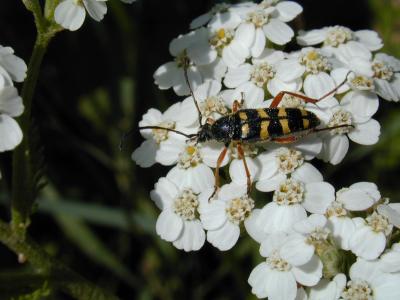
column 386, row 76
column 368, row 282
column 261, row 78
column 223, row 215
column 70, row 14
column 211, row 103
column 334, row 36
column 160, row 145
column 355, row 109
column 290, row 202
column 358, row 197
column 12, row 68
column 10, row 106
column 379, row 74
column 277, row 277
column 314, row 65
column 278, row 163
column 190, row 51
column 267, row 21
column 368, row 240
column 178, row 222
column 191, row 171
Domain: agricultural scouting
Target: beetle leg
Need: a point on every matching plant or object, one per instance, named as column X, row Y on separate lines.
column 242, row 156
column 278, row 98
column 285, row 140
column 216, row 172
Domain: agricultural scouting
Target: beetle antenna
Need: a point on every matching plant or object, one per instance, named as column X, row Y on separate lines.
column 127, row 134
column 192, row 94
column 336, row 88
column 189, row 136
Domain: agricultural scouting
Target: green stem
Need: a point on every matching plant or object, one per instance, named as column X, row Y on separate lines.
column 22, row 183
column 66, row 279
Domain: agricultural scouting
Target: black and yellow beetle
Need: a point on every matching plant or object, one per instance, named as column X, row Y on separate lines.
column 244, row 126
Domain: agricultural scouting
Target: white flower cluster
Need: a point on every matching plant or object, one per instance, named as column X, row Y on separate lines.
column 308, row 233
column 71, row 14
column 12, row 69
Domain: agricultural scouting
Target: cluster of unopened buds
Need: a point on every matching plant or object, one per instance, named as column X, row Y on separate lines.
column 307, row 230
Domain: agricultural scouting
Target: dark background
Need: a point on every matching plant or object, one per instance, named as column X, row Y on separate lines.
column 95, row 213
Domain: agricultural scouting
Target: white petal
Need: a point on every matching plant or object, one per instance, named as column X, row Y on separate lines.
column 269, row 56
column 276, row 85
column 310, row 273
column 355, row 199
column 386, row 287
column 253, row 229
column 390, row 261
column 96, row 9
column 10, row 102
column 207, row 89
column 370, row 39
column 288, row 10
column 270, row 184
column 215, row 70
column 366, row 243
column 234, row 54
column 192, row 237
column 335, row 149
column 237, row 76
column 258, row 280
column 362, row 105
column 168, row 151
column 10, row 132
column 274, row 218
column 225, row 237
column 318, row 196
column 278, row 32
column 253, row 95
column 199, row 178
column 307, row 173
column 385, row 90
column 200, row 20
column 164, row 193
column 312, row 37
column 169, row 226
column 366, row 133
column 213, row 214
column 390, row 213
column 258, row 44
column 296, row 250
column 69, row 15
column 13, row 66
column 342, row 229
column 167, row 75
column 238, row 172
column 289, row 70
column 210, row 153
column 245, row 34
column 181, row 88
column 145, row 155
column 316, row 86
column 281, row 286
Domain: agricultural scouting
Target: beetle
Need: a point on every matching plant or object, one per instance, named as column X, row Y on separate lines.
column 247, row 126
